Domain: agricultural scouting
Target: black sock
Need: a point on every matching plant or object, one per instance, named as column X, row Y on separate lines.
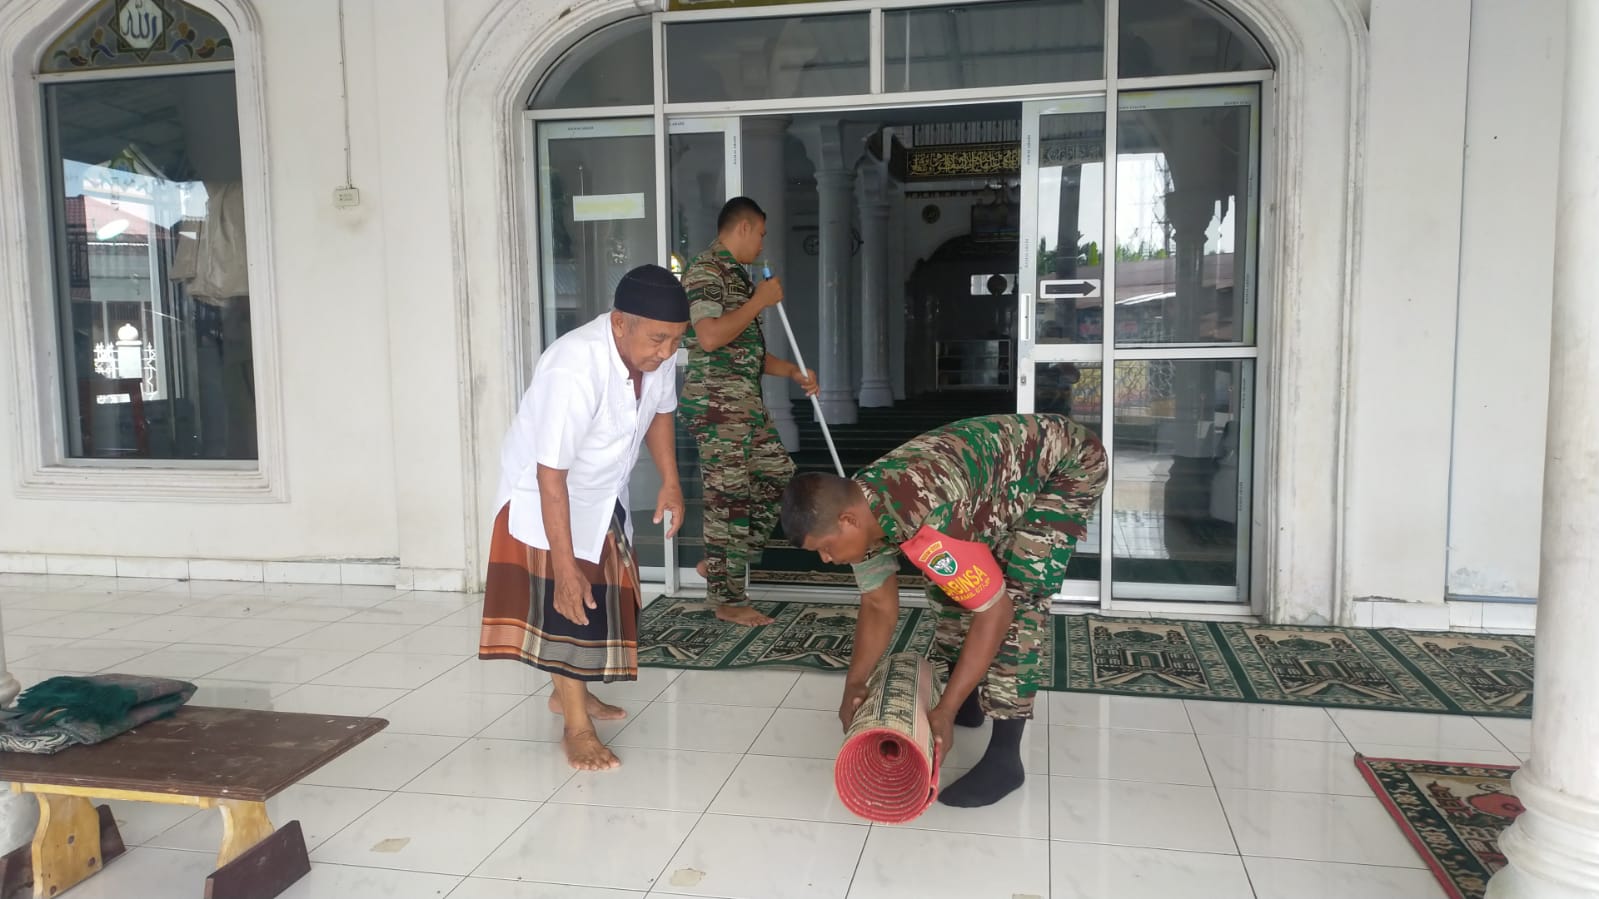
column 998, row 774
column 971, row 712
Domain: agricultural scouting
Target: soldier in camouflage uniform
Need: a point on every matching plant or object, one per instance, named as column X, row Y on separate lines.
column 742, row 459
column 1017, row 491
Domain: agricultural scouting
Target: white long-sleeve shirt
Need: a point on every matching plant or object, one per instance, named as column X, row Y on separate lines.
column 579, row 415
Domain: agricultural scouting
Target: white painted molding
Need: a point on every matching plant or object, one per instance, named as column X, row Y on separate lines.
column 349, row 572
column 28, row 296
column 432, row 580
column 1460, row 615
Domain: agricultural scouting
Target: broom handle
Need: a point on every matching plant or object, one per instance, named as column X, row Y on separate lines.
column 816, row 403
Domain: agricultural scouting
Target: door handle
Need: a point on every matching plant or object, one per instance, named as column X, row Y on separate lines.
column 1024, row 317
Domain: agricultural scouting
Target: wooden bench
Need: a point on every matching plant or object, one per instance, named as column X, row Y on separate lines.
column 228, row 759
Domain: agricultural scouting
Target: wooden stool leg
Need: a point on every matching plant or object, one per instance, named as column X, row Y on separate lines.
column 16, row 868
column 264, row 870
column 244, row 824
column 66, row 846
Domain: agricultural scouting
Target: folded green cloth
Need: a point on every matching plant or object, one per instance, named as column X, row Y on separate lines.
column 65, row 711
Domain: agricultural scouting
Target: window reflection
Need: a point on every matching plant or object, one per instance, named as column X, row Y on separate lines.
column 1179, row 446
column 1184, row 197
column 600, row 221
column 1028, row 42
column 759, row 59
column 1184, row 37
column 611, row 67
column 152, row 267
column 1071, row 227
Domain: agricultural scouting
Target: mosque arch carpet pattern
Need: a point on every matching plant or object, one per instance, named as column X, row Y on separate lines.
column 1452, row 814
column 1487, row 675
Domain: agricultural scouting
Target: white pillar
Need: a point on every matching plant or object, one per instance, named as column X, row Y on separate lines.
column 834, row 187
column 833, row 147
column 19, row 812
column 1553, row 848
column 877, row 391
column 762, row 175
column 898, row 271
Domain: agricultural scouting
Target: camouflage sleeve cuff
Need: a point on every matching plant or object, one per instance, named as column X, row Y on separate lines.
column 703, row 309
column 875, row 571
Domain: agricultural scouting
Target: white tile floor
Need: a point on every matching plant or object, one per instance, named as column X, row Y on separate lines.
column 726, row 789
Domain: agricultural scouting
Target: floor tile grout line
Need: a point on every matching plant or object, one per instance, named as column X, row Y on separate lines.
column 538, row 807
column 1243, row 862
column 1498, row 739
column 1319, row 861
column 707, row 810
column 1215, row 790
column 1049, row 797
column 391, row 794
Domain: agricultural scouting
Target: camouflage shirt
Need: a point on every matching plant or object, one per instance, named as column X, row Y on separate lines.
column 972, row 480
column 726, row 379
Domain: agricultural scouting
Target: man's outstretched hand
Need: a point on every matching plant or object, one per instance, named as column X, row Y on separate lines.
column 670, row 500
column 943, row 724
column 854, row 695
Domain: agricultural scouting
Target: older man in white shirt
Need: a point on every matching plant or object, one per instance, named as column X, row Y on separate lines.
column 563, row 587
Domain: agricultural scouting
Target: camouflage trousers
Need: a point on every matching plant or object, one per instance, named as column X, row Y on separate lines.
column 745, row 468
column 1035, row 559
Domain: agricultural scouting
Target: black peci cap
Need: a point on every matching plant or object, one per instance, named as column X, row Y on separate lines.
column 652, row 292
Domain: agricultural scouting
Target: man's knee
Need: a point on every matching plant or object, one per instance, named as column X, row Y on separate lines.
column 1004, row 696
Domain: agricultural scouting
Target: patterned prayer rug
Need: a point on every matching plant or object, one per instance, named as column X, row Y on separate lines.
column 1388, row 669
column 680, row 633
column 1452, row 814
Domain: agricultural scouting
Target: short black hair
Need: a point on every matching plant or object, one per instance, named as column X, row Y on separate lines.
column 812, row 503
column 735, row 211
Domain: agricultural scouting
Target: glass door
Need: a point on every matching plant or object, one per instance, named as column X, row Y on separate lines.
column 702, row 173
column 599, row 197
column 597, row 214
column 1165, row 370
column 1060, row 349
column 1185, row 343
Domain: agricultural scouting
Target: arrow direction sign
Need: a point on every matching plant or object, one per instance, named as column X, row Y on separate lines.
column 1063, row 289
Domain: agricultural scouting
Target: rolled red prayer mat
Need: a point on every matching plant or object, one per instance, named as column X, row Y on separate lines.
column 887, row 771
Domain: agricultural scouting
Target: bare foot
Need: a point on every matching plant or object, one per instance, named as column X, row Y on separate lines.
column 745, row 615
column 585, row 752
column 599, row 711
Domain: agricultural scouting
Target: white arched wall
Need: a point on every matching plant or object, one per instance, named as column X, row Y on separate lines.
column 27, row 27
column 357, row 365
column 299, row 504
column 1311, row 234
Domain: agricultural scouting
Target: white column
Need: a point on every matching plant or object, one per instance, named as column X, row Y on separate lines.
column 762, row 165
column 19, row 812
column 898, row 270
column 833, row 148
column 1553, row 848
column 834, row 187
column 876, row 390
